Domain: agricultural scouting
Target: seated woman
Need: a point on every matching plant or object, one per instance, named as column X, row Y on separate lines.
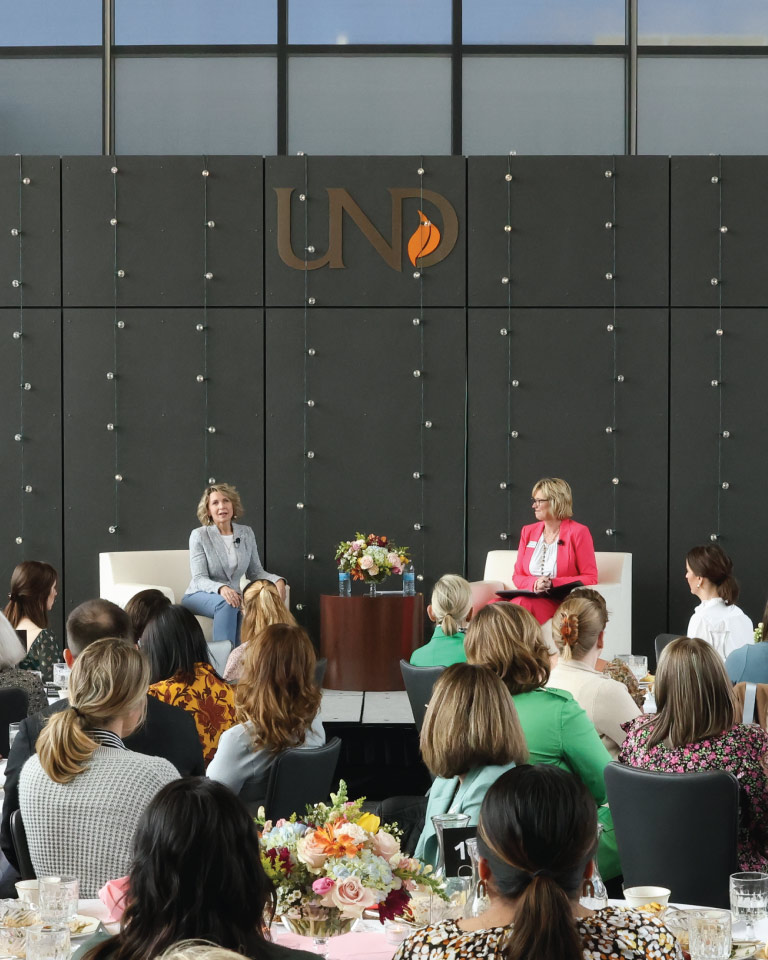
column 506, row 638
column 196, row 874
column 450, row 609
column 749, row 662
column 536, row 840
column 278, row 705
column 143, row 607
column 471, row 735
column 11, row 655
column 694, row 729
column 82, row 793
column 181, row 674
column 32, row 595
column 262, row 606
column 578, row 628
column 717, row 619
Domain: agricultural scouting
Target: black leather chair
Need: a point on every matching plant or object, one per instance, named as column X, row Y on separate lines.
column 13, row 708
column 662, row 640
column 300, row 776
column 418, row 685
column 676, row 830
column 320, row 666
column 19, row 839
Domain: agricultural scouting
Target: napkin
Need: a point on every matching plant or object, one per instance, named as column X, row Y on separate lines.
column 114, row 895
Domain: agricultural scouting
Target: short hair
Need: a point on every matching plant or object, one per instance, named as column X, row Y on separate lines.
column 143, row 607
column 714, row 564
column 470, row 722
column 93, row 620
column 507, row 638
column 31, row 584
column 694, row 697
column 173, row 643
column 11, row 648
column 229, row 491
column 451, row 602
column 559, row 494
column 577, row 624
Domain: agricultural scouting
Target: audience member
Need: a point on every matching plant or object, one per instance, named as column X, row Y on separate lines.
column 450, row 609
column 263, row 606
column 506, row 638
column 749, row 662
column 83, row 792
column 578, row 625
column 196, row 874
column 536, row 840
column 143, row 607
column 201, row 950
column 471, row 735
column 717, row 619
column 32, row 595
column 11, row 656
column 182, row 675
column 694, row 729
column 278, row 706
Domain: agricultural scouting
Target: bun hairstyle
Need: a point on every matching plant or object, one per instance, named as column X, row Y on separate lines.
column 538, row 831
column 451, row 602
column 578, row 623
column 31, row 583
column 714, row 564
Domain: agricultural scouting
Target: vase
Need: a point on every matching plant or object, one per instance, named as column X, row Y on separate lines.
column 321, row 928
column 371, row 589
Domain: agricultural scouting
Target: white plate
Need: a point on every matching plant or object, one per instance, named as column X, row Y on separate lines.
column 91, row 926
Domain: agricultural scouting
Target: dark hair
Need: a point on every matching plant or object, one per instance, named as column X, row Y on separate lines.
column 31, row 583
column 196, row 874
column 143, row 607
column 96, row 620
column 713, row 563
column 174, row 642
column 538, row 831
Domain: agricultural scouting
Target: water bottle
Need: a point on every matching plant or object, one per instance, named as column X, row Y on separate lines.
column 409, row 580
column 345, row 584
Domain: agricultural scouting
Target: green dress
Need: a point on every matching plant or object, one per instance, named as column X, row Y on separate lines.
column 441, row 651
column 44, row 652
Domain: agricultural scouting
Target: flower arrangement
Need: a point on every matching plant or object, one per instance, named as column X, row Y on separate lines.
column 758, row 634
column 337, row 862
column 370, row 558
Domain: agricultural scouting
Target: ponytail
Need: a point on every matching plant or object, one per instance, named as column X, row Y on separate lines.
column 713, row 563
column 63, row 747
column 451, row 603
column 728, row 590
column 544, row 924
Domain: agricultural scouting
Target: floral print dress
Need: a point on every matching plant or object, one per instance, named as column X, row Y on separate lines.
column 44, row 651
column 742, row 750
column 209, row 699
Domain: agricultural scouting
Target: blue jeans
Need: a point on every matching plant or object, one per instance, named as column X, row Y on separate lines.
column 226, row 619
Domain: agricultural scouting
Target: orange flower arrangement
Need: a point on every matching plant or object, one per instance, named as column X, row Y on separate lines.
column 333, row 846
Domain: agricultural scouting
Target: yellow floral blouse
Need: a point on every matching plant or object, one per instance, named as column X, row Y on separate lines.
column 210, row 700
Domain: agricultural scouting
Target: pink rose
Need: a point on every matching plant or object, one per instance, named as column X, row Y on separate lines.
column 310, row 852
column 373, row 570
column 351, row 897
column 366, row 562
column 322, row 885
column 385, row 845
column 397, row 570
column 393, row 559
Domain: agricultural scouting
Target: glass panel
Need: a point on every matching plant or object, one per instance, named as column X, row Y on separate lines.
column 543, row 21
column 369, row 105
column 702, row 105
column 50, row 23
column 699, row 22
column 195, row 21
column 369, row 21
column 543, row 105
column 196, row 105
column 50, row 106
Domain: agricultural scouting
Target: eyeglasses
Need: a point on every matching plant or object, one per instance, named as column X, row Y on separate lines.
column 538, row 503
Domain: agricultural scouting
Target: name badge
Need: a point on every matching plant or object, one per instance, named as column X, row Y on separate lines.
column 533, row 543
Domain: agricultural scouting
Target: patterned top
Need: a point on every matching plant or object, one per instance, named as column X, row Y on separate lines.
column 618, row 670
column 42, row 654
column 30, row 683
column 609, row 933
column 741, row 750
column 209, row 699
column 234, row 666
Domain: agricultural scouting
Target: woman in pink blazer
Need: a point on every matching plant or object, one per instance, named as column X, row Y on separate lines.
column 553, row 551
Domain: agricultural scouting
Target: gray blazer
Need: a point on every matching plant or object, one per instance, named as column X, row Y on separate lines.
column 208, row 560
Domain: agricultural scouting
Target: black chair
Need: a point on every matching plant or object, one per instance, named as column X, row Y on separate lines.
column 418, row 685
column 320, row 666
column 19, row 839
column 300, row 776
column 676, row 830
column 662, row 640
column 13, row 708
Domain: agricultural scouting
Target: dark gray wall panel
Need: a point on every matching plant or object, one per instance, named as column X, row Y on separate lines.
column 564, row 364
column 559, row 247
column 160, row 428
column 33, row 208
column 365, row 432
column 365, row 279
column 161, row 232
column 35, row 516
column 694, row 474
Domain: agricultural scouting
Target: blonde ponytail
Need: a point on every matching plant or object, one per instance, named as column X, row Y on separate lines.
column 451, row 603
column 577, row 624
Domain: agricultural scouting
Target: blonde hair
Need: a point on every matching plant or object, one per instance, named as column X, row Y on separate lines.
column 507, row 638
column 451, row 602
column 110, row 678
column 204, row 516
column 470, row 722
column 558, row 492
column 199, row 950
column 694, row 697
column 577, row 624
column 263, row 607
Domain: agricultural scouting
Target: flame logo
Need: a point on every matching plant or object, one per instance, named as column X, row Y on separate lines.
column 424, row 241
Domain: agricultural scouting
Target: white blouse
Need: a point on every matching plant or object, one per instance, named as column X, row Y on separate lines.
column 724, row 626
column 544, row 559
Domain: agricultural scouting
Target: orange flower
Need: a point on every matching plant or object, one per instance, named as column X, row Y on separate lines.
column 332, row 846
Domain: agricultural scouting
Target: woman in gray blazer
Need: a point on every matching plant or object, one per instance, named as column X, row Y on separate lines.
column 220, row 552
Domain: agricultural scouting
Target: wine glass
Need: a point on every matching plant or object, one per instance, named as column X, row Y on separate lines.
column 749, row 898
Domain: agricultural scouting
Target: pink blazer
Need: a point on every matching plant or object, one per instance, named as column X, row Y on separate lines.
column 575, row 555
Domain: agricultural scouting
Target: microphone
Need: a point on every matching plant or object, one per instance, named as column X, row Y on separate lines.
column 237, row 542
column 560, row 543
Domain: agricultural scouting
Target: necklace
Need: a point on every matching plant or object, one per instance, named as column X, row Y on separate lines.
column 550, row 538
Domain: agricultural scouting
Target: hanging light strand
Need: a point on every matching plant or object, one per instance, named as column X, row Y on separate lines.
column 506, row 331
column 309, row 353
column 722, row 434
column 21, row 536
column 117, row 326
column 617, row 379
column 423, row 421
column 207, row 433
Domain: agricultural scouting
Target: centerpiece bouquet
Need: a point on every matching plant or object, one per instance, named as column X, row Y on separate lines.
column 370, row 558
column 335, row 863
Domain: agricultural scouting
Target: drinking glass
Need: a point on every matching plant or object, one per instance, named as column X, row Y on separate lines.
column 58, row 899
column 709, row 933
column 13, row 729
column 61, row 676
column 749, row 898
column 636, row 663
column 48, row 941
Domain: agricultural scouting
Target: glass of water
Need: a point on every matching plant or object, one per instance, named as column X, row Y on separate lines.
column 13, row 729
column 709, row 934
column 48, row 941
column 61, row 677
column 58, row 898
column 637, row 664
column 749, row 898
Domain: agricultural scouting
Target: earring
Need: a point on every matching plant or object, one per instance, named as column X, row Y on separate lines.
column 482, row 890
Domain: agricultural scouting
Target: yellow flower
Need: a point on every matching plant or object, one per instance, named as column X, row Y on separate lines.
column 369, row 822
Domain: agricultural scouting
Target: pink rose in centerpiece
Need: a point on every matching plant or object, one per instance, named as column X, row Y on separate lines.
column 373, row 570
column 356, row 545
column 366, row 562
column 393, row 559
column 323, row 887
column 385, row 845
column 351, row 897
column 311, row 852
